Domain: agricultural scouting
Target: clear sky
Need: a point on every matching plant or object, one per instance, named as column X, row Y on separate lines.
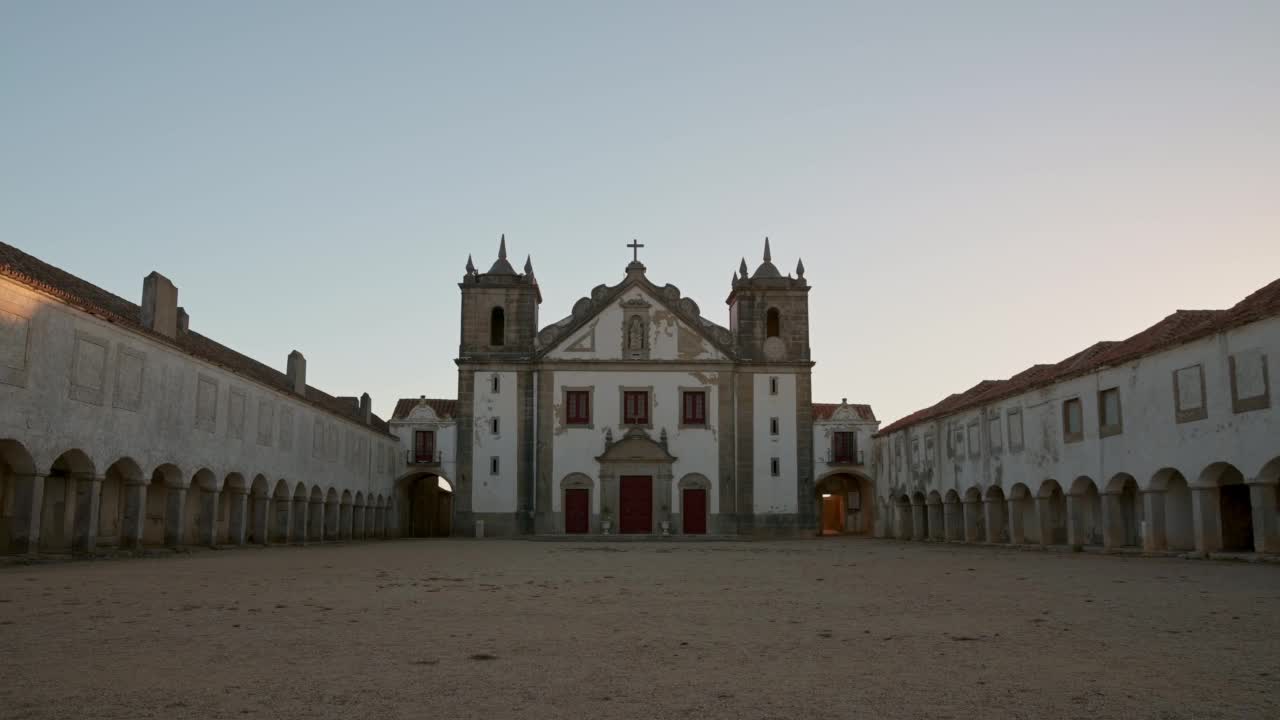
column 974, row 187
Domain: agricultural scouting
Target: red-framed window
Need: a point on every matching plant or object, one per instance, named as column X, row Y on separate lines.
column 424, row 445
column 577, row 405
column 693, row 407
column 635, row 407
column 844, row 447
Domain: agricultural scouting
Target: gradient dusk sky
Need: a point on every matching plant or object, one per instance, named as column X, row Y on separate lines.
column 974, row 187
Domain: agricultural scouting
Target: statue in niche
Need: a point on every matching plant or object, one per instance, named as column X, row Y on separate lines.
column 635, row 334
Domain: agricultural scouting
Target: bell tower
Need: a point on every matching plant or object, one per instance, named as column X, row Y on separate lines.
column 769, row 313
column 499, row 310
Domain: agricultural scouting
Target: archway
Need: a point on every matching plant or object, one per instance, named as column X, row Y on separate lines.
column 118, row 523
column 844, row 504
column 1084, row 510
column 1051, row 510
column 344, row 515
column 1124, row 513
column 953, row 516
column 1023, row 525
column 1235, row 507
column 378, row 519
column 257, row 511
column 1175, row 495
column 281, row 512
column 67, row 510
column 315, row 515
column 232, row 504
column 937, row 522
column 424, row 505
column 975, row 524
column 163, row 525
column 201, row 509
column 332, row 529
column 357, row 516
column 996, row 515
column 919, row 517
column 902, row 521
column 17, row 496
column 299, row 516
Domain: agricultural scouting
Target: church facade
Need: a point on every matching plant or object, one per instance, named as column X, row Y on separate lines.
column 633, row 414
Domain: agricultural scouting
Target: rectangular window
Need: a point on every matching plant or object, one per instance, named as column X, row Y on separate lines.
column 915, row 452
column 928, row 450
column 974, row 448
column 1250, row 383
column 424, row 446
column 1110, row 421
column 635, row 407
column 493, row 425
column 493, row 465
column 773, row 426
column 495, row 384
column 844, row 447
column 693, row 408
column 577, row 405
column 993, row 429
column 775, row 467
column 1072, row 420
column 1015, row 429
column 1188, row 394
column 773, row 385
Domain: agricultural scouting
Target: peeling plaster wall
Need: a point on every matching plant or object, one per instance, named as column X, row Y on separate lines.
column 1150, row 441
column 494, row 493
column 775, row 495
column 91, row 385
column 668, row 338
column 576, row 448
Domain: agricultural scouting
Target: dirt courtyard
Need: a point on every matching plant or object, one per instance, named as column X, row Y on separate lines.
column 507, row 629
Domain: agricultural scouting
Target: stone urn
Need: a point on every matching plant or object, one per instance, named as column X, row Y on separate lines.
column 606, row 525
column 666, row 527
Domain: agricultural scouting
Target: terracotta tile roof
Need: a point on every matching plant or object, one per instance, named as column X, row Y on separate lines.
column 445, row 408
column 824, row 411
column 1182, row 327
column 79, row 293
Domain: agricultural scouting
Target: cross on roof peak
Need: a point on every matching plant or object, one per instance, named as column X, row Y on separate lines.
column 635, row 249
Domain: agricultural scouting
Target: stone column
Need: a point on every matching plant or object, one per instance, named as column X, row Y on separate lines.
column 1154, row 538
column 971, row 510
column 207, row 522
column 175, row 501
column 995, row 523
column 918, row 521
column 1017, row 528
column 1266, row 530
column 84, row 536
column 315, row 520
column 1206, row 519
column 28, row 505
column 261, row 511
column 135, row 516
column 237, row 516
column 1112, row 521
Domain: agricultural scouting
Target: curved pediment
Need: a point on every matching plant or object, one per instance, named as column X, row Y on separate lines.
column 636, row 447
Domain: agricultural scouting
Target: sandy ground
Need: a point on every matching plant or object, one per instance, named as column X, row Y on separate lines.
column 498, row 629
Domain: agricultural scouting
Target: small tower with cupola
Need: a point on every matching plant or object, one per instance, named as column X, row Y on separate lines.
column 769, row 313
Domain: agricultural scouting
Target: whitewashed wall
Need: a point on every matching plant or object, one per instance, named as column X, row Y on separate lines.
column 446, row 430
column 494, row 493
column 113, row 393
column 695, row 449
column 775, row 494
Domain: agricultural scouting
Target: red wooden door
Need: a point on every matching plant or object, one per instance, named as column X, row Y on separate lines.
column 577, row 511
column 693, row 509
column 635, row 512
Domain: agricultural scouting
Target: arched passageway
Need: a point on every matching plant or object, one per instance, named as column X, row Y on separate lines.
column 258, row 511
column 18, row 494
column 201, row 509
column 953, row 516
column 844, row 504
column 122, row 504
column 1024, row 526
column 975, row 523
column 315, row 515
column 344, row 515
column 919, row 517
column 937, row 521
column 1173, row 495
column 996, row 515
column 1122, row 508
column 1231, row 527
column 281, row 513
column 357, row 516
column 1051, row 512
column 1084, row 513
column 425, row 505
column 902, row 519
column 298, row 516
column 166, row 494
column 68, row 510
column 332, row 516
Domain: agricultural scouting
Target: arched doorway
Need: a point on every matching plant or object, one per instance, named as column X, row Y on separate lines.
column 1235, row 507
column 425, row 503
column 1051, row 507
column 116, row 526
column 17, row 487
column 1085, row 512
column 1023, row 526
column 997, row 515
column 845, row 504
column 1175, row 495
column 64, row 513
column 953, row 516
column 975, row 524
column 1124, row 513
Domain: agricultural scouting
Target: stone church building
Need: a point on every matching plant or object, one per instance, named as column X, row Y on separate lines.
column 635, row 414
